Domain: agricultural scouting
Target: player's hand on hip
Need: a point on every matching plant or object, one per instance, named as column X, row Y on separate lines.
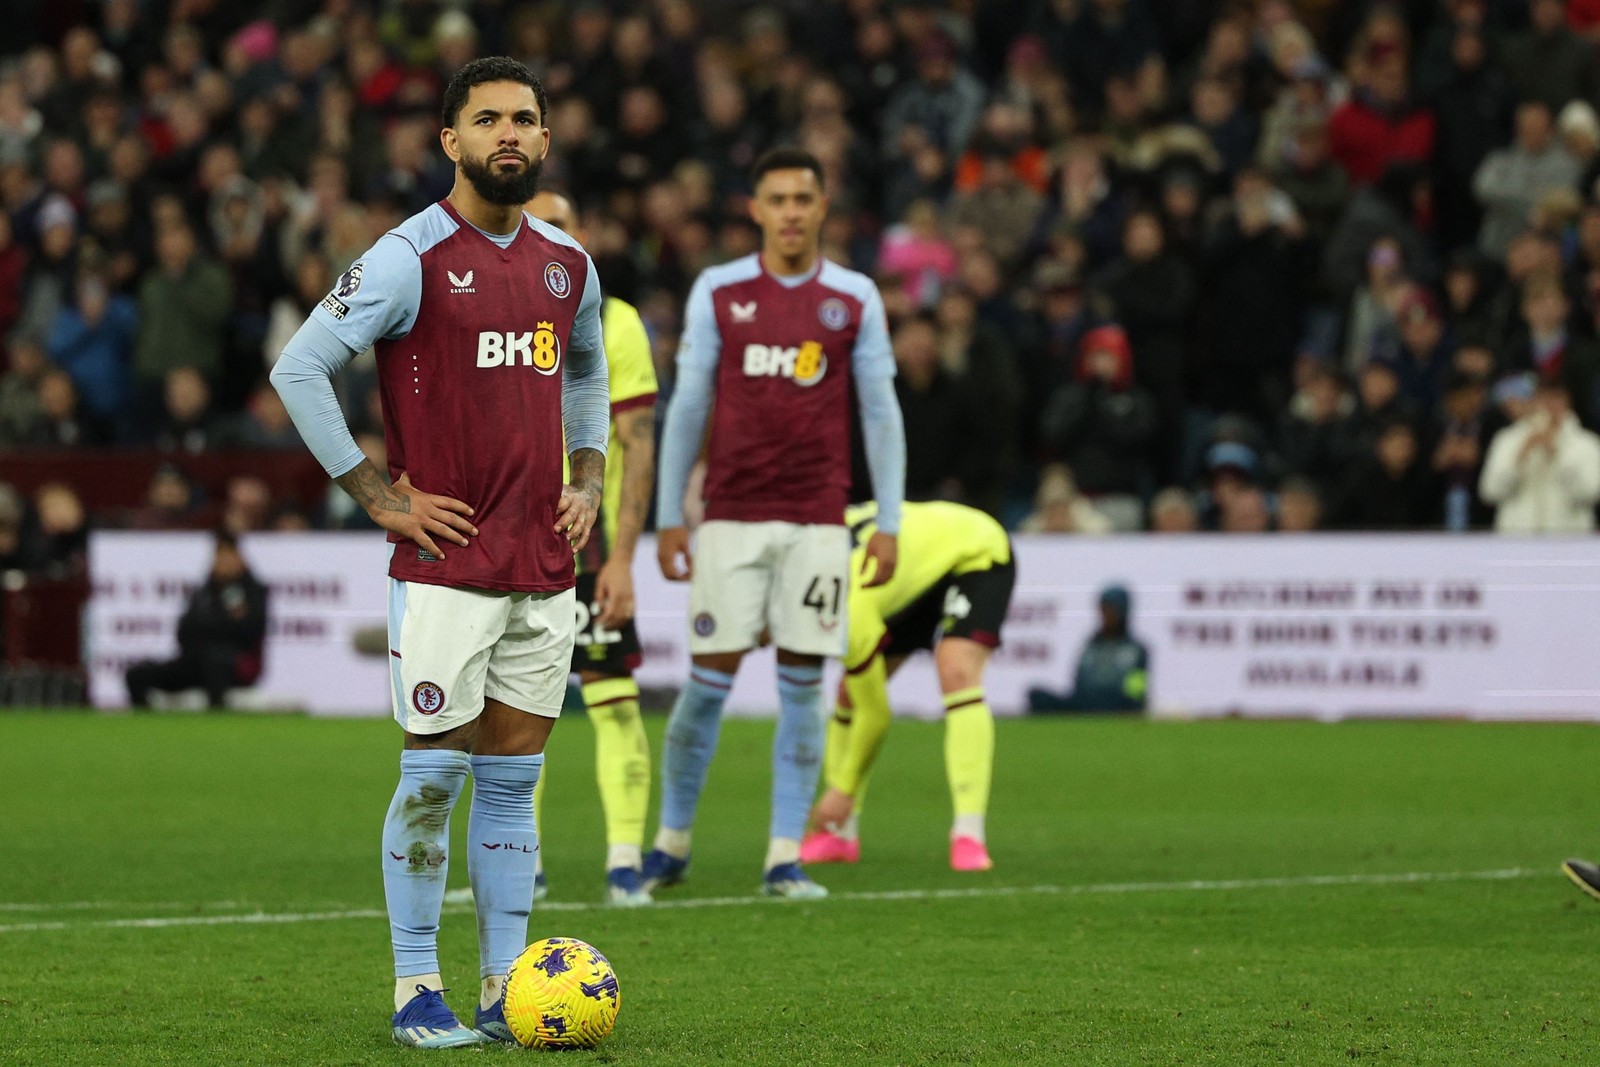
column 883, row 551
column 672, row 543
column 613, row 588
column 575, row 514
column 425, row 517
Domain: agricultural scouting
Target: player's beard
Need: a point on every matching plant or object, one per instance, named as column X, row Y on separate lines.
column 500, row 187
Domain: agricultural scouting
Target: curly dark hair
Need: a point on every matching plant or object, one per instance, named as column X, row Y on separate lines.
column 488, row 69
column 786, row 157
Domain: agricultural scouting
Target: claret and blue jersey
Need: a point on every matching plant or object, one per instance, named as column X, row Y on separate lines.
column 476, row 335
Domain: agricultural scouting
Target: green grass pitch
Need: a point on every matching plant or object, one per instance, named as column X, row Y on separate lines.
column 1166, row 902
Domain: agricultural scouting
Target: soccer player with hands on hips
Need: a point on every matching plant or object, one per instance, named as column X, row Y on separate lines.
column 950, row 593
column 492, row 372
column 777, row 339
column 607, row 649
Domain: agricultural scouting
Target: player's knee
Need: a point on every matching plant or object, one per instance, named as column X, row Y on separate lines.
column 960, row 664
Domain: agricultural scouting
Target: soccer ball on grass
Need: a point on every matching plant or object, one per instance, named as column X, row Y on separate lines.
column 561, row 993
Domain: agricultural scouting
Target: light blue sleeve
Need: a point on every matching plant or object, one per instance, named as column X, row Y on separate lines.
column 303, row 377
column 693, row 388
column 585, row 379
column 377, row 297
column 882, row 427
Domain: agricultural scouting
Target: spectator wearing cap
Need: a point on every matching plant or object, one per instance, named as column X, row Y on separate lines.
column 1579, row 129
column 1381, row 123
column 1232, row 468
column 47, row 285
column 1473, row 104
column 1104, row 427
column 1113, row 668
column 1548, row 62
column 1511, row 180
column 1553, row 350
column 92, row 339
column 1543, row 471
column 1391, row 487
column 1461, row 441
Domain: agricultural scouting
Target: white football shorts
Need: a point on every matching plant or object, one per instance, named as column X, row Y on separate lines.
column 785, row 577
column 450, row 648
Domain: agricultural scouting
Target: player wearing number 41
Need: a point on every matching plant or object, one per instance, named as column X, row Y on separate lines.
column 607, row 649
column 487, row 327
column 778, row 338
column 950, row 593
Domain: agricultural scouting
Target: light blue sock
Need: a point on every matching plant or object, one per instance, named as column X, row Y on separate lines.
column 504, row 848
column 796, row 749
column 692, row 733
column 416, row 837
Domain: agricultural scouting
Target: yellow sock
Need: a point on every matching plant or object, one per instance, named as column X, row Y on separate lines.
column 837, row 768
column 968, row 758
column 622, row 766
column 836, row 753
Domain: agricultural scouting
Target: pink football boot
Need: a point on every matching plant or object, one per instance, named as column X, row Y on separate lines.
column 820, row 846
column 969, row 854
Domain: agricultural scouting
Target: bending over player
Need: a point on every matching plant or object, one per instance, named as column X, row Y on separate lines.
column 607, row 647
column 950, row 593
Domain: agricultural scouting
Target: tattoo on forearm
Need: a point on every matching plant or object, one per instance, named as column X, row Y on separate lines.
column 588, row 470
column 636, row 431
column 367, row 487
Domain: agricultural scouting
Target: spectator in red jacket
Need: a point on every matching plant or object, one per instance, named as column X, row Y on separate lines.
column 1380, row 123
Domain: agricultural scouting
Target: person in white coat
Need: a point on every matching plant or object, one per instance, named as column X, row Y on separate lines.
column 1543, row 471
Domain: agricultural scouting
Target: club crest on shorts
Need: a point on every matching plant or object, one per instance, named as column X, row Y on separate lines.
column 834, row 313
column 557, row 280
column 704, row 624
column 427, row 698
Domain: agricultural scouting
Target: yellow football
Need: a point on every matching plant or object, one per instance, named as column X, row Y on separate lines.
column 561, row 993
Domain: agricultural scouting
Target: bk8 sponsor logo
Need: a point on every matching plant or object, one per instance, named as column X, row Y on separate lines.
column 539, row 349
column 805, row 364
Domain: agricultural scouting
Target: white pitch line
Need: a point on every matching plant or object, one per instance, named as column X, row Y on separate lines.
column 1111, row 888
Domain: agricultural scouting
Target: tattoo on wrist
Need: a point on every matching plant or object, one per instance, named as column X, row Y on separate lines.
column 367, row 488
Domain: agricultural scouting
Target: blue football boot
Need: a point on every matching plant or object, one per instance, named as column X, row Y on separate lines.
column 790, row 881
column 427, row 1022
column 661, row 870
column 491, row 1024
column 625, row 888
